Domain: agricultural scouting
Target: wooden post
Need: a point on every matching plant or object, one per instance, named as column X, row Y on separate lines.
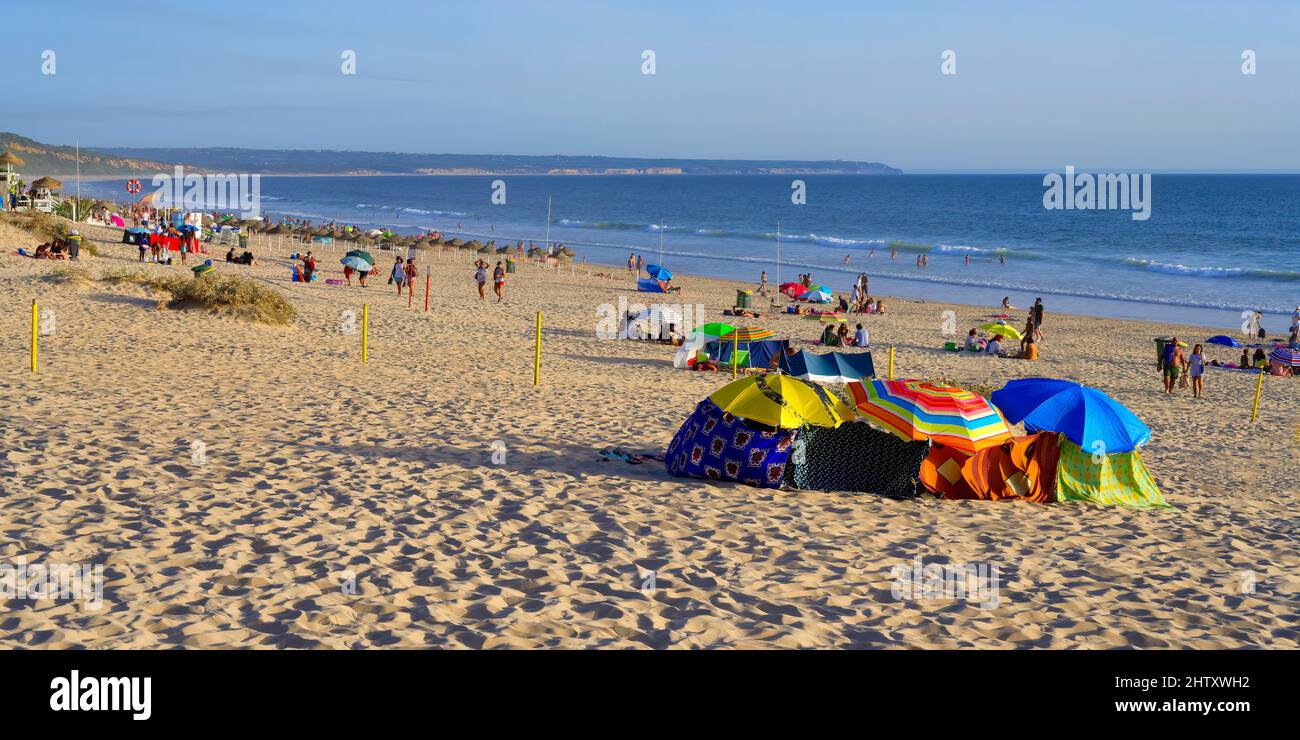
column 35, row 330
column 365, row 332
column 891, row 362
column 537, row 352
column 426, row 290
column 1254, row 411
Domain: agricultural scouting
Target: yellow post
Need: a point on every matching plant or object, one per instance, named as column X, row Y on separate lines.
column 1254, row 411
column 735, row 350
column 35, row 329
column 365, row 332
column 891, row 362
column 537, row 352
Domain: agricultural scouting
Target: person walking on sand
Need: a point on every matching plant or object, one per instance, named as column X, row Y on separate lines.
column 762, row 283
column 499, row 281
column 1174, row 360
column 480, row 277
column 1036, row 313
column 1196, row 371
column 411, row 272
column 640, row 262
column 631, row 263
column 399, row 275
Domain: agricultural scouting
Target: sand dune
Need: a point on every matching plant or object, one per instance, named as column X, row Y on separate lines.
column 342, row 505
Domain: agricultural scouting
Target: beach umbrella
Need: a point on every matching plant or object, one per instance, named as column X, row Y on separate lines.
column 747, row 334
column 1225, row 340
column 1084, row 415
column 816, row 296
column 658, row 273
column 696, row 341
column 827, row 318
column 47, row 183
column 362, row 255
column 356, row 263
column 1002, row 330
column 781, row 401
column 832, row 367
column 793, row 290
column 715, row 329
column 9, row 159
column 918, row 410
column 1285, row 356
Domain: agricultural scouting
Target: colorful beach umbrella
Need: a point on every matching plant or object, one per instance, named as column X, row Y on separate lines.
column 747, row 334
column 793, row 290
column 362, row 255
column 816, row 296
column 1002, row 330
column 917, row 409
column 658, row 273
column 1084, row 415
column 356, row 263
column 1225, row 340
column 715, row 329
column 1285, row 356
column 781, row 401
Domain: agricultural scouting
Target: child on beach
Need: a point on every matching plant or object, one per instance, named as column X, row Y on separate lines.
column 499, row 281
column 1196, row 369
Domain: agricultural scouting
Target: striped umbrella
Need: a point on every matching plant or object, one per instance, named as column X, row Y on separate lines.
column 748, row 334
column 1285, row 356
column 916, row 409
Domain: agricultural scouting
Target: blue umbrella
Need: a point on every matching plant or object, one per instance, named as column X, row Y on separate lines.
column 658, row 273
column 1223, row 339
column 1084, row 415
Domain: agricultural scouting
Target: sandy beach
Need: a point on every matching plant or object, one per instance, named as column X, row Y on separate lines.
column 433, row 497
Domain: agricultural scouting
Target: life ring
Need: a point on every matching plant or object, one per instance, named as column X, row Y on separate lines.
column 133, row 186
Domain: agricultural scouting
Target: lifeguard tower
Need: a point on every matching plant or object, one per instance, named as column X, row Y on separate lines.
column 43, row 197
column 8, row 176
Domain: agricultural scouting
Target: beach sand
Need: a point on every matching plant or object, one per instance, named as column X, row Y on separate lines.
column 343, row 505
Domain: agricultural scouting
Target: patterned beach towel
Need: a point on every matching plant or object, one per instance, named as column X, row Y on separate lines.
column 714, row 444
column 1119, row 479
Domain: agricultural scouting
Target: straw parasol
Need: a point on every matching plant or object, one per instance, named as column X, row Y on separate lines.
column 9, row 159
column 47, row 183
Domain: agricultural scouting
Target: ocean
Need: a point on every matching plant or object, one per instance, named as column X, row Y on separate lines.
column 1214, row 245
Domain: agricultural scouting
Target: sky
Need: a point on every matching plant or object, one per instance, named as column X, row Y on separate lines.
column 1133, row 86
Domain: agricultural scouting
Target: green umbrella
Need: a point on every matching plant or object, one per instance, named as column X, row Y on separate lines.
column 363, row 254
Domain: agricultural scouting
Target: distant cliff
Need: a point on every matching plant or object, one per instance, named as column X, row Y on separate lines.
column 46, row 159
column 326, row 162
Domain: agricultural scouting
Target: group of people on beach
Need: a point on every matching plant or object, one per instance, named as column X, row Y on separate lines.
column 498, row 279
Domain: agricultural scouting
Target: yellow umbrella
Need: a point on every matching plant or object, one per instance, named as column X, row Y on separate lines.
column 828, row 318
column 1003, row 330
column 781, row 401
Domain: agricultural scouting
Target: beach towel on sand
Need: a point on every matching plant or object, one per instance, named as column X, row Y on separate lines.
column 1119, row 479
column 855, row 457
column 717, row 445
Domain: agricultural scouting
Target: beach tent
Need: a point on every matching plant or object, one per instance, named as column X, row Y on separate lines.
column 759, row 354
column 743, row 431
column 855, row 457
column 1086, row 416
column 1115, row 479
column 697, row 340
column 833, row 367
column 650, row 285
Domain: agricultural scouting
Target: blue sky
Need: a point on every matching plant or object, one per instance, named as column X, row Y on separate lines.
column 1108, row 85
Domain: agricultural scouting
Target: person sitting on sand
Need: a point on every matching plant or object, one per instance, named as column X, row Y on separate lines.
column 843, row 336
column 42, row 251
column 1260, row 359
column 973, row 342
column 1294, row 341
column 829, row 338
column 880, row 306
column 1028, row 348
column 861, row 338
column 994, row 347
column 1006, row 304
column 230, row 256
